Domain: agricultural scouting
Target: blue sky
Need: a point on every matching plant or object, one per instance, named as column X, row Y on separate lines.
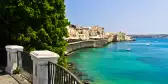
column 130, row 16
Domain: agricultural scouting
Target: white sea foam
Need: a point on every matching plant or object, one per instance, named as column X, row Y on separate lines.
column 149, row 43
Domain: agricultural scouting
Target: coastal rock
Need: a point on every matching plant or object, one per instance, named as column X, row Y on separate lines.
column 70, row 64
column 78, row 73
column 71, row 68
column 86, row 82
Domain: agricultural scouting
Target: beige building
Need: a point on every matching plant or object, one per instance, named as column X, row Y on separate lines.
column 72, row 30
column 83, row 33
column 128, row 38
column 97, row 32
column 77, row 32
column 107, row 35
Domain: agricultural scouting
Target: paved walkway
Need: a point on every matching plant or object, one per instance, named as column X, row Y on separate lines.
column 11, row 79
column 7, row 79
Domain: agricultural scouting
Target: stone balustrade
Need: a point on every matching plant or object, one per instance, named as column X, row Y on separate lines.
column 85, row 44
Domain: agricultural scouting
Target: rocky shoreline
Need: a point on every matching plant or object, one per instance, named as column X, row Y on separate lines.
column 79, row 45
column 82, row 76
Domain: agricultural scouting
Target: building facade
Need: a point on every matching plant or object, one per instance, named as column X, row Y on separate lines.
column 85, row 33
column 97, row 32
column 78, row 32
column 72, row 30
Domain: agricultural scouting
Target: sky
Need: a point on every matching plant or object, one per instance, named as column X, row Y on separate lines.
column 130, row 16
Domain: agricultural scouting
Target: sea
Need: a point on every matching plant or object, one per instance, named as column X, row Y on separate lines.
column 144, row 61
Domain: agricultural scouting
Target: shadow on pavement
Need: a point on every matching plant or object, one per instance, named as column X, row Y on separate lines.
column 2, row 70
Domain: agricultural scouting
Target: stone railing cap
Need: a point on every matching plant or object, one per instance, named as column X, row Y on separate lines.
column 14, row 47
column 44, row 54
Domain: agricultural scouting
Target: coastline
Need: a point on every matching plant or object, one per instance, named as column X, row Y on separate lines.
column 114, row 65
column 89, row 44
column 81, row 75
column 85, row 44
column 72, row 47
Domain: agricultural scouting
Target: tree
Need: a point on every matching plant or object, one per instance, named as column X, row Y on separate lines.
column 121, row 36
column 35, row 24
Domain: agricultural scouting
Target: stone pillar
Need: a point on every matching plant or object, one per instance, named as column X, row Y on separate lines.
column 12, row 57
column 40, row 65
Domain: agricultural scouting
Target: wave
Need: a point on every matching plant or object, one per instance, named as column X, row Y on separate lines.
column 148, row 43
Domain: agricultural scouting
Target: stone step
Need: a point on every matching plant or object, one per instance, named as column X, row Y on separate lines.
column 20, row 79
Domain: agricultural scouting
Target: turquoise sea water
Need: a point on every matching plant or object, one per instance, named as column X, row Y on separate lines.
column 112, row 64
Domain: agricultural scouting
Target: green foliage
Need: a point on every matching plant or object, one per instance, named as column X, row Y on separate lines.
column 121, row 36
column 17, row 71
column 63, row 61
column 34, row 24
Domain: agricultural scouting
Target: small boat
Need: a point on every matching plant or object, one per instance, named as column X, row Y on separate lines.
column 128, row 49
column 147, row 44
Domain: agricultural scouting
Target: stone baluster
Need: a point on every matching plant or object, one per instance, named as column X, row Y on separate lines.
column 40, row 65
column 12, row 53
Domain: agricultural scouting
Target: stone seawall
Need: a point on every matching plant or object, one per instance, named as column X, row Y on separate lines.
column 85, row 44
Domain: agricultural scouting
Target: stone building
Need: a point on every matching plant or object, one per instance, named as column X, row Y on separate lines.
column 72, row 30
column 107, row 35
column 78, row 32
column 128, row 38
column 96, row 32
column 83, row 33
column 112, row 37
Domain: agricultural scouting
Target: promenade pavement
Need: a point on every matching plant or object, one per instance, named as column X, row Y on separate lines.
column 6, row 79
